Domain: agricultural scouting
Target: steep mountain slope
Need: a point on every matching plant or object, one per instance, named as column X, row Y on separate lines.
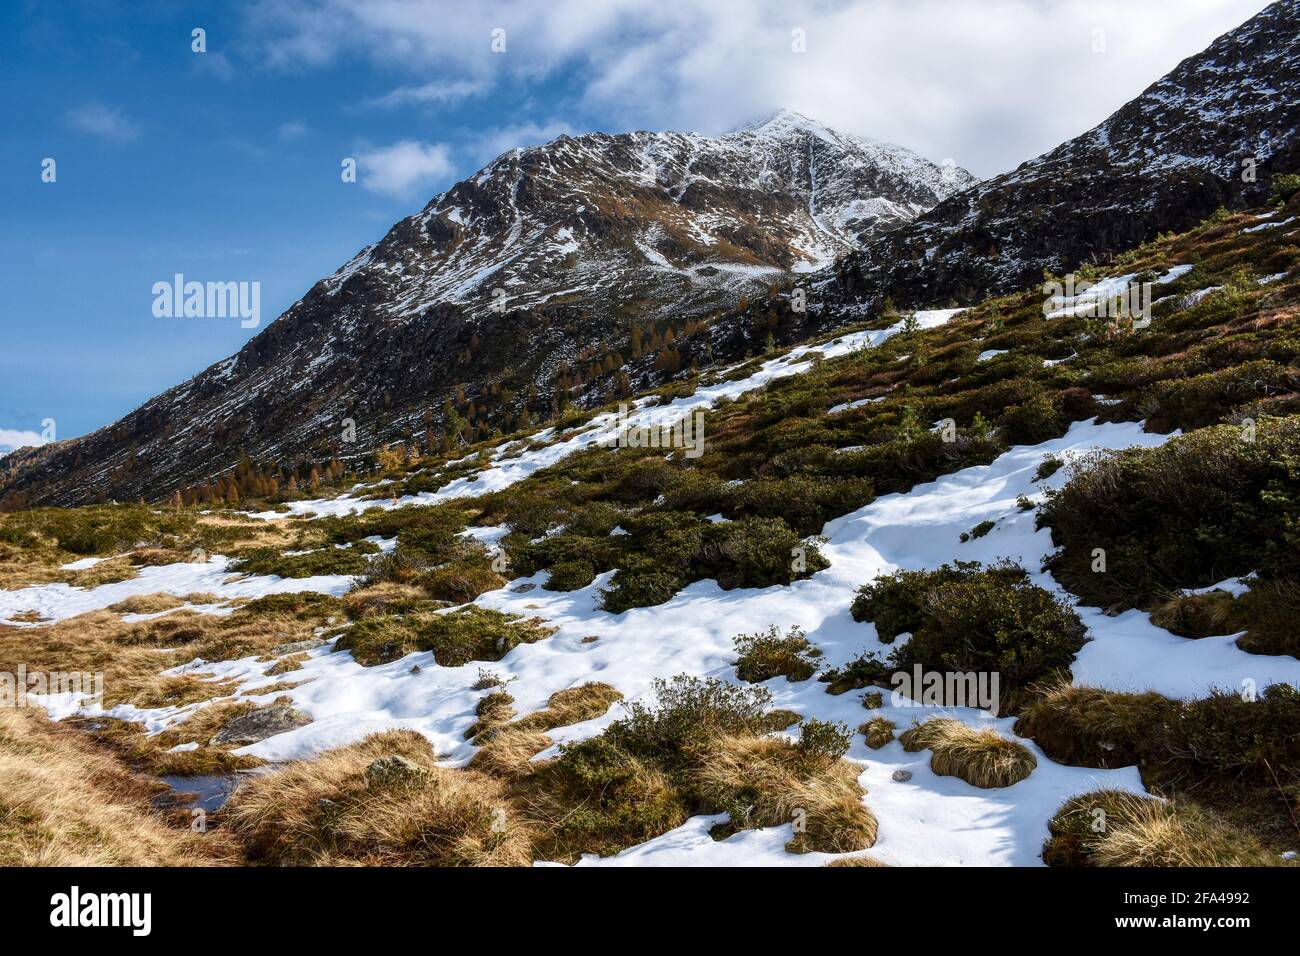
column 504, row 292
column 1161, row 163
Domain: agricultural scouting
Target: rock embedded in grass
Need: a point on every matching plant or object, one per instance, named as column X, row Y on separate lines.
column 260, row 724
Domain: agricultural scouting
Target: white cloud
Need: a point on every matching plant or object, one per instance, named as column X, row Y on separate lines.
column 292, row 129
column 213, row 64
column 990, row 83
column 489, row 144
column 404, row 168
column 435, row 93
column 11, row 438
column 106, row 122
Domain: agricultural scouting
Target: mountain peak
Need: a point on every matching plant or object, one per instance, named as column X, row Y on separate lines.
column 784, row 122
column 524, row 280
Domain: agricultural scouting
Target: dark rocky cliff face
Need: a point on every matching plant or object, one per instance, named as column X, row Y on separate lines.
column 1162, row 162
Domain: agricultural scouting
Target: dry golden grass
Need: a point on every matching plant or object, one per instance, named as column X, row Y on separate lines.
column 767, row 779
column 1114, row 828
column 386, row 597
column 97, row 642
column 506, row 749
column 509, row 752
column 24, row 567
column 147, row 604
column 493, row 710
column 177, row 690
column 856, row 861
column 160, row 557
column 878, row 731
column 287, row 664
column 326, row 812
column 573, row 706
column 131, row 656
column 983, row 758
column 63, row 802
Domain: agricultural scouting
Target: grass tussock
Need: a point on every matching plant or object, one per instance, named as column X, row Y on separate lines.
column 388, row 597
column 1114, row 828
column 147, row 604
column 983, row 758
column 878, row 731
column 856, row 861
column 380, row 802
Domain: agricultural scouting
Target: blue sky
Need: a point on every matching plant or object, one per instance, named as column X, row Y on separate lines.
column 224, row 165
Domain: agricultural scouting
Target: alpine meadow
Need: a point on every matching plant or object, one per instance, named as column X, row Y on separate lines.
column 767, row 496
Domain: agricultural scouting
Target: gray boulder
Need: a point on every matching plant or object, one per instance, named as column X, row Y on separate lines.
column 259, row 724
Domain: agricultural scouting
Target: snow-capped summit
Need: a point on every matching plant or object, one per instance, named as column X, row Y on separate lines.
column 785, row 122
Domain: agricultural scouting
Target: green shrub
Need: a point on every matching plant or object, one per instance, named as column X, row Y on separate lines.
column 568, row 555
column 863, row 671
column 893, row 602
column 427, row 529
column 979, row 531
column 1285, row 185
column 1210, row 398
column 1033, row 422
column 102, row 529
column 456, row 638
column 1186, row 514
column 397, row 567
column 302, row 605
column 700, row 747
column 969, row 619
column 766, row 655
column 822, row 742
column 665, row 551
column 460, row 582
column 684, row 713
column 327, row 560
column 571, row 575
column 804, row 503
column 640, row 584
